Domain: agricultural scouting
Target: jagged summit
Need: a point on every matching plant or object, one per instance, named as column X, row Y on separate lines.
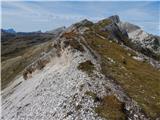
column 114, row 18
column 128, row 26
column 84, row 22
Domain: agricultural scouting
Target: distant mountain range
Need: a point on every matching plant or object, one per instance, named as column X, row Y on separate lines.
column 11, row 30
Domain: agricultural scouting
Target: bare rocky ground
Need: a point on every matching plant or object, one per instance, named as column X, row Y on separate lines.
column 58, row 92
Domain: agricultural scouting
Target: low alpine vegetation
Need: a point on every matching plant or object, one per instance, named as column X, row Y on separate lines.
column 111, row 108
column 86, row 66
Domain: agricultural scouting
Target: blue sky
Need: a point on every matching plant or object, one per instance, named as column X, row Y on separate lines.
column 32, row 16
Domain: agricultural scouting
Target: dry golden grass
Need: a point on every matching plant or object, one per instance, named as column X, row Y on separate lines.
column 139, row 79
column 14, row 66
column 86, row 66
column 111, row 108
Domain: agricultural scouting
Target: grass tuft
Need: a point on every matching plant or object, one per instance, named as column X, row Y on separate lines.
column 86, row 66
column 111, row 108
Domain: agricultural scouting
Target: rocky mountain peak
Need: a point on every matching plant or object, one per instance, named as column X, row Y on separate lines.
column 114, row 19
column 84, row 22
column 128, row 26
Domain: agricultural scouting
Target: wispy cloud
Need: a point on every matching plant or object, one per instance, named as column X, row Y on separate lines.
column 30, row 16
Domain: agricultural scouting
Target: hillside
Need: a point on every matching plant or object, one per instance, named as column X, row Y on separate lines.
column 21, row 49
column 94, row 71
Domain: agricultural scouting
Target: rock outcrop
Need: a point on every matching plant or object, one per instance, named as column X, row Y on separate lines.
column 148, row 43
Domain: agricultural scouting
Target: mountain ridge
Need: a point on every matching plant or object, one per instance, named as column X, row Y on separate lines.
column 88, row 71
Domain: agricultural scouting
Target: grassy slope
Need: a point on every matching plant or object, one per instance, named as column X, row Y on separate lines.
column 111, row 108
column 18, row 51
column 16, row 64
column 139, row 79
column 19, row 44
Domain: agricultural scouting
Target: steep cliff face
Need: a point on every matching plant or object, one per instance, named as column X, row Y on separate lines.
column 91, row 72
column 147, row 43
column 134, row 37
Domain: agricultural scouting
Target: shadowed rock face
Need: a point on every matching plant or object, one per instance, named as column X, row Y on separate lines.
column 133, row 36
column 128, row 27
column 92, row 71
column 114, row 19
column 116, row 33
